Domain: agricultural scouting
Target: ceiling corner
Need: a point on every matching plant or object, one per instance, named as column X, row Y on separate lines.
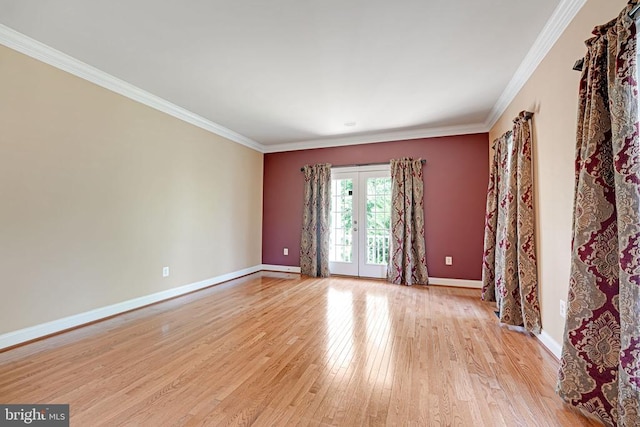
column 551, row 32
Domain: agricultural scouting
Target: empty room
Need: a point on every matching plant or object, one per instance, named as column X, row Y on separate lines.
column 328, row 213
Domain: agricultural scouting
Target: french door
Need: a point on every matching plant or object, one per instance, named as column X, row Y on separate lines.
column 360, row 221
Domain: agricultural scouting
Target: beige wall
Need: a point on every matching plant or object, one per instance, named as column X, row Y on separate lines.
column 99, row 192
column 552, row 94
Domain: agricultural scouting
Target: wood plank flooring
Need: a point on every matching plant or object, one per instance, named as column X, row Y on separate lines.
column 277, row 350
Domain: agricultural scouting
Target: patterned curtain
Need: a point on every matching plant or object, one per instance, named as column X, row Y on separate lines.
column 315, row 240
column 600, row 365
column 491, row 220
column 509, row 272
column 408, row 259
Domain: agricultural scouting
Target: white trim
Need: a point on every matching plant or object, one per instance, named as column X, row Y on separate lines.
column 562, row 16
column 377, row 137
column 386, row 167
column 554, row 347
column 559, row 21
column 280, row 268
column 456, row 283
column 40, row 51
column 27, row 334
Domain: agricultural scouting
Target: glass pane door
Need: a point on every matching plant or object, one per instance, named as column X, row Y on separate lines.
column 360, row 222
column 343, row 252
column 376, row 221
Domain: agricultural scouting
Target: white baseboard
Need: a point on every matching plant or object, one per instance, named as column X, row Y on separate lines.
column 553, row 346
column 280, row 268
column 457, row 283
column 38, row 331
column 27, row 334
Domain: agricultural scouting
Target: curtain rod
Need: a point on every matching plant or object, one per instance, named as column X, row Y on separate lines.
column 365, row 164
column 579, row 65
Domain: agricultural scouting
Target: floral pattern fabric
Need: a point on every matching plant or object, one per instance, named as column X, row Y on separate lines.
column 315, row 239
column 509, row 271
column 600, row 364
column 408, row 259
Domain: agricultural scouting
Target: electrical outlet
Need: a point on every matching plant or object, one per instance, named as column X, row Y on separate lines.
column 165, row 271
column 286, row 251
column 448, row 260
column 563, row 308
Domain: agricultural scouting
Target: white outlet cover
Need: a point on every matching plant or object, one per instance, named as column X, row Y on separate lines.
column 286, row 251
column 165, row 272
column 448, row 260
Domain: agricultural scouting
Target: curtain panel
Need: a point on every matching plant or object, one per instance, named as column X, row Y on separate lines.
column 408, row 259
column 600, row 364
column 315, row 238
column 509, row 268
column 491, row 219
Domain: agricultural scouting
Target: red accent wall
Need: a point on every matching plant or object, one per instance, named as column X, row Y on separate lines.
column 455, row 185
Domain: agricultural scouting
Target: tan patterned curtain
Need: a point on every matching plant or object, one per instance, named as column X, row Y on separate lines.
column 509, row 272
column 600, row 365
column 315, row 239
column 408, row 259
column 491, row 220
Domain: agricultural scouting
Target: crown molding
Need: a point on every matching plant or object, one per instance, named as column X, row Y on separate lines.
column 551, row 32
column 560, row 19
column 378, row 137
column 40, row 51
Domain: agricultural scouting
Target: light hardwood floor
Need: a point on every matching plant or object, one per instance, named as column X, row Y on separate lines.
column 273, row 349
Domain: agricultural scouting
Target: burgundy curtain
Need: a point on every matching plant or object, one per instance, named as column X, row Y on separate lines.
column 600, row 365
column 315, row 238
column 509, row 272
column 408, row 259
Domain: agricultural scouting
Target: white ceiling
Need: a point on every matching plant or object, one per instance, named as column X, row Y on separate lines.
column 291, row 73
